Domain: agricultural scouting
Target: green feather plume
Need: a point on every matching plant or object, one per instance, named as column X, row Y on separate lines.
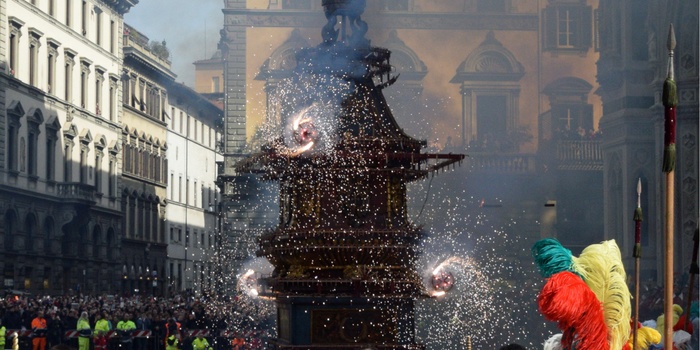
column 551, row 257
column 601, row 267
column 669, row 162
column 638, row 214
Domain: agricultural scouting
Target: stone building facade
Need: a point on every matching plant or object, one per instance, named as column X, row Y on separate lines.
column 145, row 79
column 60, row 145
column 192, row 217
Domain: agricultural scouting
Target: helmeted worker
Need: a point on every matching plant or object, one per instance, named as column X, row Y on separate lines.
column 39, row 331
column 200, row 343
column 125, row 327
column 173, row 328
column 84, row 331
column 172, row 343
column 101, row 330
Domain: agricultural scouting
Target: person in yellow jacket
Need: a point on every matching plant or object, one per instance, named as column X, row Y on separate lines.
column 172, row 343
column 200, row 343
column 101, row 330
column 84, row 332
column 3, row 331
column 125, row 327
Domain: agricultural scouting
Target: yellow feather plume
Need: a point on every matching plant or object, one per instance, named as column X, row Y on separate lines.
column 677, row 312
column 601, row 267
column 646, row 336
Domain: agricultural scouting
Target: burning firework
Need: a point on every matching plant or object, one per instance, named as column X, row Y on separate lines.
column 442, row 280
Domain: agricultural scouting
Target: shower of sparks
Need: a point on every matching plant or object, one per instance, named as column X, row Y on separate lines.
column 480, row 253
column 486, row 250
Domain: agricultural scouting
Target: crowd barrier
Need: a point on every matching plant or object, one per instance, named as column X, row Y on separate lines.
column 218, row 340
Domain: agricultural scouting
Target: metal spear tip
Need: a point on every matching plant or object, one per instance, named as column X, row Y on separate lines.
column 671, row 42
column 639, row 186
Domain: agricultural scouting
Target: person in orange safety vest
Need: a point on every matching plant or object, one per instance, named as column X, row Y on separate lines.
column 39, row 331
column 238, row 343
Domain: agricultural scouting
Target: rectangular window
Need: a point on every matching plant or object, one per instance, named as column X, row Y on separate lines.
column 33, row 63
column 12, row 147
column 52, row 7
column 569, row 120
column 112, row 178
column 99, row 82
column 112, row 36
column 215, row 84
column 187, row 191
column 84, row 18
column 567, row 27
column 69, row 14
column 491, row 118
column 51, row 71
column 84, row 77
column 566, row 22
column 98, row 28
column 68, row 83
column 50, row 158
column 67, row 164
column 179, row 190
column 14, row 44
column 31, row 153
column 182, row 119
column 112, row 99
column 98, row 96
column 83, row 166
column 98, row 174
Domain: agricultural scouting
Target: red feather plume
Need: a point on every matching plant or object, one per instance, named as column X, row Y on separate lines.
column 567, row 300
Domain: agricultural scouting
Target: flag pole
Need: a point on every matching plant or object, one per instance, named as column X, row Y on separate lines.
column 637, row 257
column 670, row 101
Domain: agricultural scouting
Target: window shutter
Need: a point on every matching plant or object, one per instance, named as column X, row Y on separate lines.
column 585, row 28
column 549, row 28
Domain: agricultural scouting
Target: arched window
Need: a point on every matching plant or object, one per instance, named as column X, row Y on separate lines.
column 489, row 81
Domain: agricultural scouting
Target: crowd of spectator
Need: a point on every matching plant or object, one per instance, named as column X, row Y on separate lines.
column 229, row 316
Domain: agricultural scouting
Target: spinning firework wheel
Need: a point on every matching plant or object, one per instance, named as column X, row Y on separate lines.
column 442, row 281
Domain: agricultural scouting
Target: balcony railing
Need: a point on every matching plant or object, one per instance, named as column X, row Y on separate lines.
column 579, row 155
column 500, row 163
column 76, row 191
